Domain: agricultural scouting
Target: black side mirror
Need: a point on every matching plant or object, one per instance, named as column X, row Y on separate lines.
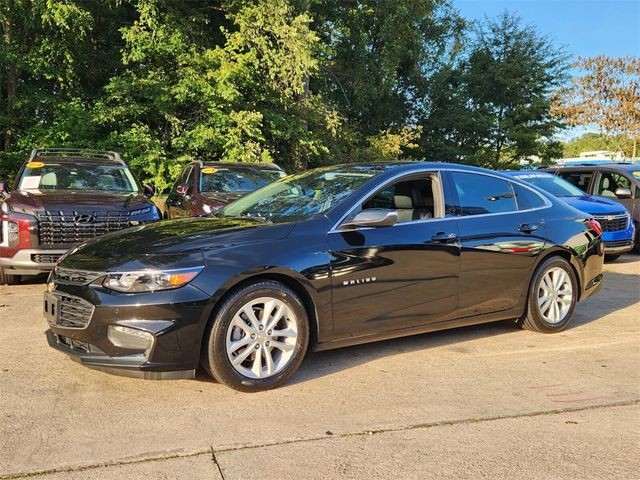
column 4, row 188
column 149, row 190
column 373, row 218
column 623, row 192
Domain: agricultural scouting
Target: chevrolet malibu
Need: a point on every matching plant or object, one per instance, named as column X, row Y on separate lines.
column 326, row 258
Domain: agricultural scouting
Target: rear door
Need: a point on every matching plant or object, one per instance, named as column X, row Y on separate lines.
column 499, row 241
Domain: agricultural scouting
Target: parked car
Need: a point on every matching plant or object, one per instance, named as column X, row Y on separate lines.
column 204, row 188
column 619, row 181
column 618, row 231
column 63, row 197
column 322, row 259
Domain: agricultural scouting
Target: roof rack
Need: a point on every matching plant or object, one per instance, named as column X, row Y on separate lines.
column 75, row 152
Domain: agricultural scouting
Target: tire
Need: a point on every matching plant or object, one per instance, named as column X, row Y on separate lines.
column 8, row 279
column 232, row 334
column 541, row 316
column 611, row 258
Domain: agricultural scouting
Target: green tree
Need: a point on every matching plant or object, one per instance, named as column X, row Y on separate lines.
column 493, row 105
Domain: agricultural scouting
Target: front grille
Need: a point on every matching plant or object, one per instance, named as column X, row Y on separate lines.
column 70, row 227
column 74, row 312
column 45, row 257
column 613, row 223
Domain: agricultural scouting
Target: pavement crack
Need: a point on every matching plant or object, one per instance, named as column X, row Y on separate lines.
column 375, row 431
column 215, row 460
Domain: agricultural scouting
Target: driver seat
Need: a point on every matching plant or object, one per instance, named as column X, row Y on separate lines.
column 409, row 203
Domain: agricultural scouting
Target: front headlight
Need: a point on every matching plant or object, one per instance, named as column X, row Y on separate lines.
column 149, row 280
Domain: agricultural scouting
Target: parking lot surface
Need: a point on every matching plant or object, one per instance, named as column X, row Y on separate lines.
column 489, row 401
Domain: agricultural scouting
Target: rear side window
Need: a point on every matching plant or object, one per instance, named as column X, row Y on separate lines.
column 527, row 199
column 482, row 194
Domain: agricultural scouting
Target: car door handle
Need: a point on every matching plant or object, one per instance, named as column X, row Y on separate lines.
column 444, row 237
column 527, row 228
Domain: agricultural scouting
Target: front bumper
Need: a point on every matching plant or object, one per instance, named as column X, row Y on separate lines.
column 31, row 261
column 618, row 247
column 175, row 318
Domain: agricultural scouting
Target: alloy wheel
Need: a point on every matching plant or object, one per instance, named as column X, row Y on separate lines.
column 555, row 295
column 261, row 338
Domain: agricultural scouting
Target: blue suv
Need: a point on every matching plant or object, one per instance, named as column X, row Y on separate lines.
column 618, row 231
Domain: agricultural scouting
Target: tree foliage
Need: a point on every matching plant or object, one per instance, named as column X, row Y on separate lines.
column 605, row 94
column 298, row 82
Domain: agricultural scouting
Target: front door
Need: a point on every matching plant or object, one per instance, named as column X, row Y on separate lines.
column 388, row 278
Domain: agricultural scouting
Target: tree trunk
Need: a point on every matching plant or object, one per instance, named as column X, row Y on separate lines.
column 11, row 82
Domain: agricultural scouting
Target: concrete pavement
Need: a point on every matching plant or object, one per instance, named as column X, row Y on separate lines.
column 487, row 401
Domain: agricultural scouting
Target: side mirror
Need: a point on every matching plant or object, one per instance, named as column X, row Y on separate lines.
column 183, row 189
column 374, row 218
column 149, row 190
column 4, row 188
column 623, row 193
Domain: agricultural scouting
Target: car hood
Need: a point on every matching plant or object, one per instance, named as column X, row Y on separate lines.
column 595, row 205
column 74, row 200
column 168, row 243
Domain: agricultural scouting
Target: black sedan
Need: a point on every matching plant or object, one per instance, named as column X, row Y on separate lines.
column 323, row 259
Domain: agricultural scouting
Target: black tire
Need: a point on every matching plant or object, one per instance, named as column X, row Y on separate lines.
column 214, row 356
column 533, row 318
column 611, row 258
column 8, row 279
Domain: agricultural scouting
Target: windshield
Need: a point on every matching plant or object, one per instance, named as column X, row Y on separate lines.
column 77, row 176
column 554, row 185
column 302, row 196
column 214, row 179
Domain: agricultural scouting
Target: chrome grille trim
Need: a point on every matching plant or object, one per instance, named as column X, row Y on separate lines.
column 67, row 276
column 75, row 312
column 71, row 227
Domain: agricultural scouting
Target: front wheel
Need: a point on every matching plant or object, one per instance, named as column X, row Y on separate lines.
column 258, row 338
column 552, row 297
column 8, row 279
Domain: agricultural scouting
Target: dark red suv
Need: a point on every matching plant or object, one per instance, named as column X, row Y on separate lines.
column 61, row 198
column 203, row 188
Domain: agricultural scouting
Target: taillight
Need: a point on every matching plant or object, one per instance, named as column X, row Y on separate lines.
column 595, row 225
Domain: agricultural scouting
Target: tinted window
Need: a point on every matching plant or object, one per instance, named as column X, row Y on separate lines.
column 556, row 186
column 578, row 179
column 76, row 176
column 481, row 194
column 527, row 199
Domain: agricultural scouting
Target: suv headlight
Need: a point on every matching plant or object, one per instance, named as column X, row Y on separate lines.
column 150, row 280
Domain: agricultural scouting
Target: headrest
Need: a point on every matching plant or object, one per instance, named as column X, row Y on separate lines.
column 605, row 183
column 402, row 202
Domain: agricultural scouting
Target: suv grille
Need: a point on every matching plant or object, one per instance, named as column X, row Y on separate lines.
column 613, row 223
column 74, row 312
column 67, row 227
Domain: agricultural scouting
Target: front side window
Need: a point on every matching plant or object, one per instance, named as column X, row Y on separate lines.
column 411, row 199
column 217, row 179
column 578, row 179
column 608, row 182
column 482, row 194
column 302, row 196
column 77, row 176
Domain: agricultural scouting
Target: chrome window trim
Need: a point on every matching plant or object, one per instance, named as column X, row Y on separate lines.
column 547, row 204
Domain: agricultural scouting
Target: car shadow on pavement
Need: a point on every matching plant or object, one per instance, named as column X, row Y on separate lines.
column 619, row 291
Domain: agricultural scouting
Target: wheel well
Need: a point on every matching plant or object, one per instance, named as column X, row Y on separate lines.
column 291, row 283
column 567, row 256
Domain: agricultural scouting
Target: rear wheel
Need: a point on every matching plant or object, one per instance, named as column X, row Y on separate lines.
column 8, row 279
column 611, row 258
column 552, row 297
column 258, row 338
